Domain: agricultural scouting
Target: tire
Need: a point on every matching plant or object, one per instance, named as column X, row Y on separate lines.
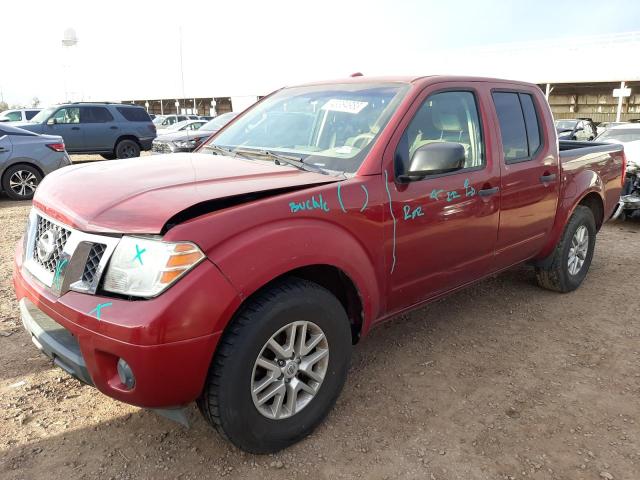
column 227, row 401
column 20, row 181
column 558, row 275
column 127, row 149
column 108, row 156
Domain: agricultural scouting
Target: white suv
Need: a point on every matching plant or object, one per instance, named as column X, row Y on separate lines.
column 21, row 115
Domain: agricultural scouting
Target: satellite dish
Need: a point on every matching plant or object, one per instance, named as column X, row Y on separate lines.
column 69, row 38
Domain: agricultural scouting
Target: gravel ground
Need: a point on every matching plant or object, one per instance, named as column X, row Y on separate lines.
column 500, row 381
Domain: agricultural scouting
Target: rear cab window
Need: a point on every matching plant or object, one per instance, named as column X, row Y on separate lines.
column 519, row 125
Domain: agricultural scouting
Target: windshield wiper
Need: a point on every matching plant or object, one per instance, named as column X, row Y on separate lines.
column 279, row 159
column 226, row 151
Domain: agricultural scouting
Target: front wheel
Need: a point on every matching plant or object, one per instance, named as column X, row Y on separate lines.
column 570, row 261
column 279, row 367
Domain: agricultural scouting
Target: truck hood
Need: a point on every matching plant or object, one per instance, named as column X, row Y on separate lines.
column 140, row 195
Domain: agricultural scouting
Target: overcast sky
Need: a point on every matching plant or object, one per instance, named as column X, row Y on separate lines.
column 130, row 49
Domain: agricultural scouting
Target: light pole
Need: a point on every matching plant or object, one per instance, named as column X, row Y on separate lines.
column 69, row 40
column 146, row 105
column 213, row 107
column 177, row 104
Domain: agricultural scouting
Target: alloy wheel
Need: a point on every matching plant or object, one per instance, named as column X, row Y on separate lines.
column 23, row 183
column 578, row 250
column 289, row 370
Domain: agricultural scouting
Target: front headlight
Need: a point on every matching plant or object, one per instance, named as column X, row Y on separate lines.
column 186, row 143
column 144, row 267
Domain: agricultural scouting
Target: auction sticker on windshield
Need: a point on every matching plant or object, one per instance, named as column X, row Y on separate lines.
column 346, row 106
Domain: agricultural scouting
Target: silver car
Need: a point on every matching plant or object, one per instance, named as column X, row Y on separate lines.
column 25, row 158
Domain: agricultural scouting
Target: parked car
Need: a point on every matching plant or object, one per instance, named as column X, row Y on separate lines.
column 165, row 121
column 187, row 141
column 240, row 275
column 184, row 126
column 152, row 116
column 112, row 130
column 627, row 134
column 25, row 158
column 576, row 129
column 206, row 117
column 604, row 126
column 20, row 115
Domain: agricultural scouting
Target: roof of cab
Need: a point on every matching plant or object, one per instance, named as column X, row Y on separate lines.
column 415, row 80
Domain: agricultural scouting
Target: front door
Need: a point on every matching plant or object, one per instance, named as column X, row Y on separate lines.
column 530, row 176
column 66, row 123
column 443, row 228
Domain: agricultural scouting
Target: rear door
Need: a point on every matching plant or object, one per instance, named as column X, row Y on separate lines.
column 100, row 129
column 530, row 174
column 66, row 123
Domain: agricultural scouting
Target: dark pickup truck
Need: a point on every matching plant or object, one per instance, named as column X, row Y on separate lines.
column 239, row 276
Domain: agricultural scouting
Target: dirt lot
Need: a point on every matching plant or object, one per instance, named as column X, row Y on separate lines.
column 501, row 381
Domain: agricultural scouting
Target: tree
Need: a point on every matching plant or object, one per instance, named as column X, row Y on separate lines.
column 4, row 106
column 35, row 102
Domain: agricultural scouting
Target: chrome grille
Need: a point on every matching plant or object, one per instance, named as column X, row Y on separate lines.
column 62, row 235
column 159, row 147
column 76, row 261
column 93, row 261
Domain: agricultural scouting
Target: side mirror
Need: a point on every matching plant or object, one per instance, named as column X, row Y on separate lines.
column 52, row 121
column 435, row 158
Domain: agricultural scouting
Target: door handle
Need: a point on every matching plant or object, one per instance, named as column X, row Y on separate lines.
column 113, row 128
column 547, row 178
column 75, row 128
column 2, row 149
column 487, row 192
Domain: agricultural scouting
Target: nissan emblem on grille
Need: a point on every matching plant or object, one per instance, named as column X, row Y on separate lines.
column 46, row 245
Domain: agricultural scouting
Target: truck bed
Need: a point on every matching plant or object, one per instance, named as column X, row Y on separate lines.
column 573, row 149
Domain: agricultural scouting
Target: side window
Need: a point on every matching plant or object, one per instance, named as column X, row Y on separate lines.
column 95, row 115
column 519, row 126
column 31, row 113
column 444, row 117
column 531, row 122
column 14, row 116
column 66, row 115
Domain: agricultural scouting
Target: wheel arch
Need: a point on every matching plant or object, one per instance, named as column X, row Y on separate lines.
column 594, row 202
column 335, row 281
column 22, row 161
column 126, row 136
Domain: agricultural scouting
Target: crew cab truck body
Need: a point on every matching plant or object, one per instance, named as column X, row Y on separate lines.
column 240, row 275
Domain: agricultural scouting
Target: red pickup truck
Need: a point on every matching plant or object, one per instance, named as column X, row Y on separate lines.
column 239, row 276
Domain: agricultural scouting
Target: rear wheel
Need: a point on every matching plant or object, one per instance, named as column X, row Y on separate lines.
column 127, row 149
column 279, row 367
column 108, row 156
column 20, row 182
column 570, row 261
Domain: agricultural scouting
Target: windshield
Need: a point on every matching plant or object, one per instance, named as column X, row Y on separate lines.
column 566, row 124
column 218, row 122
column 329, row 126
column 43, row 115
column 621, row 135
column 158, row 120
column 179, row 125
